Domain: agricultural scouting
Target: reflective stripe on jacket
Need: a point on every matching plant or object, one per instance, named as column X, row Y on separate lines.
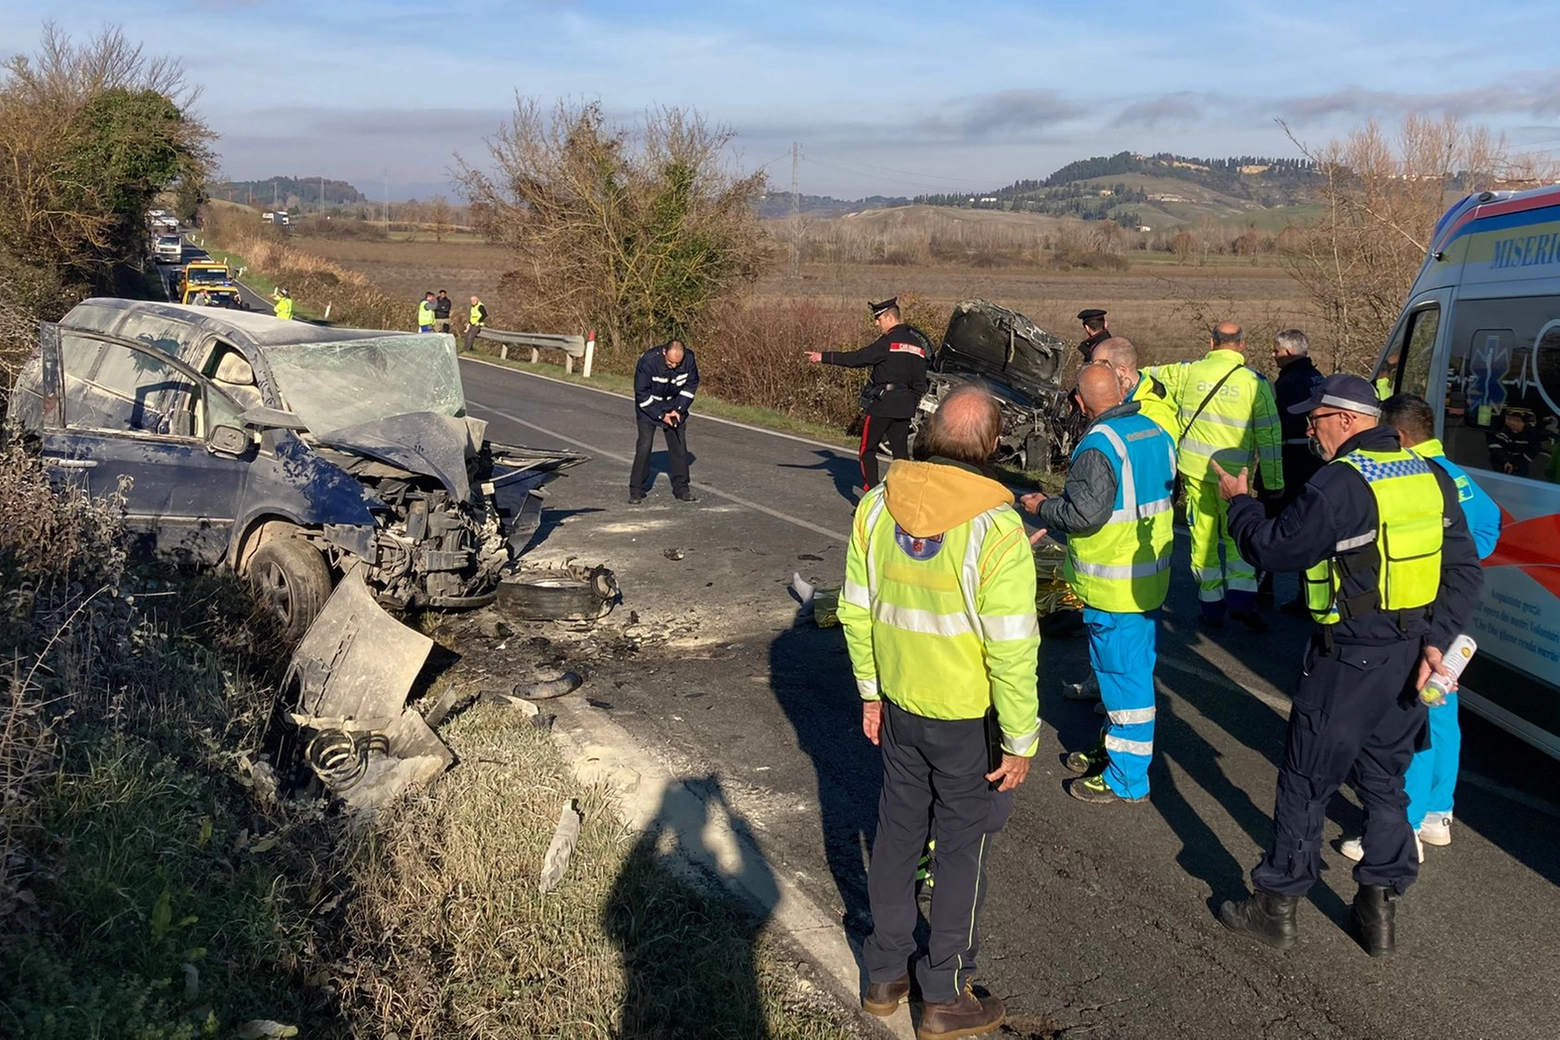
column 1407, row 541
column 1239, row 423
column 1154, row 401
column 944, row 625
column 1124, row 567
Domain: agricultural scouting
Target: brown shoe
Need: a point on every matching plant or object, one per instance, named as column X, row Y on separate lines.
column 969, row 1015
column 884, row 998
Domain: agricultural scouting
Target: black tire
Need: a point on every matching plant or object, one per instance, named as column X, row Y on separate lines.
column 291, row 579
column 558, row 595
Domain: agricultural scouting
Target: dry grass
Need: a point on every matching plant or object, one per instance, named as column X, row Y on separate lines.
column 449, row 936
column 1164, row 308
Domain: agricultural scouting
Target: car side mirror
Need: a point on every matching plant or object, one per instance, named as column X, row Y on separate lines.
column 228, row 440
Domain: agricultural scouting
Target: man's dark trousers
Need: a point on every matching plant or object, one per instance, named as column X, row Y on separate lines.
column 875, row 428
column 934, row 766
column 1356, row 718
column 676, row 453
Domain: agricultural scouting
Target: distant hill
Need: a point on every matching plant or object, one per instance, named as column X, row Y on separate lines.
column 778, row 204
column 287, row 191
column 1151, row 190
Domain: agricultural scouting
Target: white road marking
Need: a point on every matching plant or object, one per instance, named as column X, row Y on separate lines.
column 703, row 416
column 839, row 536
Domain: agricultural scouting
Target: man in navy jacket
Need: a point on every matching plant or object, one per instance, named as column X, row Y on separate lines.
column 665, row 381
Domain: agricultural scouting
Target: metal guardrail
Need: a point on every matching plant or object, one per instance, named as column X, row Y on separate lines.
column 572, row 346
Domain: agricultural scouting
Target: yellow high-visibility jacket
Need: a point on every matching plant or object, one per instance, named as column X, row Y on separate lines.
column 1239, row 426
column 939, row 600
column 1156, row 403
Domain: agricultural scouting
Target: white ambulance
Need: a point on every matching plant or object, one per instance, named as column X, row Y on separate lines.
column 1480, row 340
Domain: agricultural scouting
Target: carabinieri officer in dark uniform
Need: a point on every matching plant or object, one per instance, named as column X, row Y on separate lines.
column 898, row 358
column 1097, row 328
column 1391, row 577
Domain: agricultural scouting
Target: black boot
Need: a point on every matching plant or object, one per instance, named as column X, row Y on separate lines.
column 1266, row 916
column 1375, row 907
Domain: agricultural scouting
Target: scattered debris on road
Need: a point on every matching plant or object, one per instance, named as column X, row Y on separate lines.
column 556, row 862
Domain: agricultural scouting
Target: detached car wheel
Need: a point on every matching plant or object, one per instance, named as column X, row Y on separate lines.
column 291, row 579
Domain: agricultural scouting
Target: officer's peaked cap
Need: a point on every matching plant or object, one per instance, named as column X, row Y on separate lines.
column 887, row 305
column 1090, row 314
column 1351, row 393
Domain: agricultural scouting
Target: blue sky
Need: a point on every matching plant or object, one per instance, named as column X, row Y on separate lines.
column 894, row 99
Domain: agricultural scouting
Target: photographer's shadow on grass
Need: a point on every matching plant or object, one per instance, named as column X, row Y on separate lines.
column 690, row 957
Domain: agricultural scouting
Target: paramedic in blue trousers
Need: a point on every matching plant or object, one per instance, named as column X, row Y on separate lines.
column 1116, row 511
column 665, row 380
column 1391, row 577
column 1432, row 775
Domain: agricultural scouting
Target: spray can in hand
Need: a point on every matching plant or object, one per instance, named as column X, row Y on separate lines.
column 1455, row 659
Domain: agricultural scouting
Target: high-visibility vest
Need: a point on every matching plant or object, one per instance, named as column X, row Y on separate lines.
column 1384, row 387
column 1239, row 422
column 1410, row 510
column 1124, row 567
column 284, row 308
column 948, row 621
column 1154, row 401
column 476, row 314
column 424, row 314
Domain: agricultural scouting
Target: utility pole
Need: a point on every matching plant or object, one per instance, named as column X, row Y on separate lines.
column 796, row 210
column 322, row 193
column 387, row 202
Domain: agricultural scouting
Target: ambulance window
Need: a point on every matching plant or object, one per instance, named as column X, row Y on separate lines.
column 1422, row 327
column 1502, row 408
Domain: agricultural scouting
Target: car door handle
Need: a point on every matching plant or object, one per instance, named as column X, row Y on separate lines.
column 73, row 463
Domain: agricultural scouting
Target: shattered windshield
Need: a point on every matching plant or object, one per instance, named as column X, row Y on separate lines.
column 331, row 386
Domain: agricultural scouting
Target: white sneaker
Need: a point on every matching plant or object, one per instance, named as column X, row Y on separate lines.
column 1354, row 848
column 1436, row 830
column 1088, row 690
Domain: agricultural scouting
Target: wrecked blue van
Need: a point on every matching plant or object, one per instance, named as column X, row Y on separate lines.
column 287, row 451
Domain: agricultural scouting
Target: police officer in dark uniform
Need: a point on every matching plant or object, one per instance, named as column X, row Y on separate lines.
column 1096, row 328
column 1391, row 576
column 898, row 358
column 665, row 380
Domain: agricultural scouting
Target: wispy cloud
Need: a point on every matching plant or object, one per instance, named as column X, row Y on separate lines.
column 1006, row 113
column 1536, row 95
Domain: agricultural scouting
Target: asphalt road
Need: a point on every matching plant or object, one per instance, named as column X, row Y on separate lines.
column 170, row 277
column 1099, row 920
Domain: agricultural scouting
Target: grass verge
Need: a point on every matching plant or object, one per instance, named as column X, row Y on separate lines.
column 451, row 937
column 153, row 887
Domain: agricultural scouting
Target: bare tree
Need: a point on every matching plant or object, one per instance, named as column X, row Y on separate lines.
column 1381, row 194
column 637, row 233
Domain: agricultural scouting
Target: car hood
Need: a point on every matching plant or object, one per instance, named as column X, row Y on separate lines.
column 422, row 442
column 1002, row 345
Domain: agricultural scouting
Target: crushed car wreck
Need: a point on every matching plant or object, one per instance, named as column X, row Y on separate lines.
column 307, row 459
column 287, row 451
column 1021, row 364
